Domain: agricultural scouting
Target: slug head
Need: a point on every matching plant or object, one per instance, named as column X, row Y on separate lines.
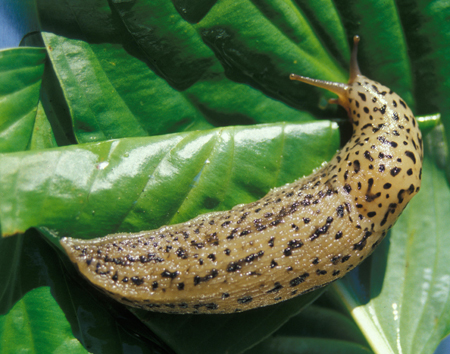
column 338, row 88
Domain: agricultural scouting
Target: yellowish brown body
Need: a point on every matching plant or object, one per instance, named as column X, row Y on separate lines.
column 297, row 238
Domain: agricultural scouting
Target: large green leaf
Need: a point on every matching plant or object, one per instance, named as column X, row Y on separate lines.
column 130, row 79
column 148, row 182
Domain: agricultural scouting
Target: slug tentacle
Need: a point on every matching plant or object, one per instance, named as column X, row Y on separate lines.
column 338, row 88
column 354, row 67
column 296, row 239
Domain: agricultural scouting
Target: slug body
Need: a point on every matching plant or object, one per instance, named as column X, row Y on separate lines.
column 298, row 238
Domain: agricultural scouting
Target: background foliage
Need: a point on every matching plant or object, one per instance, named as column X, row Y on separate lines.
column 196, row 98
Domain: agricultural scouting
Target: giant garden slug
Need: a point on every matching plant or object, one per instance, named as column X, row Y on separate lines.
column 298, row 238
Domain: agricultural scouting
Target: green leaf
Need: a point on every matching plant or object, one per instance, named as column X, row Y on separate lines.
column 19, row 328
column 42, row 136
column 171, row 44
column 296, row 345
column 126, row 97
column 227, row 31
column 400, row 297
column 317, row 329
column 20, row 73
column 117, row 107
column 52, row 110
column 104, row 105
column 44, row 310
column 321, row 322
column 222, row 333
column 428, row 51
column 67, row 188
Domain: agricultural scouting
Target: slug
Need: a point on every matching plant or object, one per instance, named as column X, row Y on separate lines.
column 298, row 238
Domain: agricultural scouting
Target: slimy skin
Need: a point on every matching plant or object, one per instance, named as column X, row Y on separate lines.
column 298, row 238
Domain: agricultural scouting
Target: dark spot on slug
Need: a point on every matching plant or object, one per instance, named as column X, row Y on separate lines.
column 233, row 267
column 275, row 222
column 345, row 258
column 245, row 299
column 171, row 275
column 391, row 209
column 411, row 156
column 395, row 171
column 400, row 195
column 367, row 156
column 335, row 259
column 211, row 306
column 181, row 252
column 298, row 280
column 347, row 188
column 198, row 279
column 212, row 257
column 293, row 244
column 137, row 280
column 277, row 287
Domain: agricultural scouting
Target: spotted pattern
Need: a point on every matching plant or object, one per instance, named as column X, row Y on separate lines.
column 296, row 239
